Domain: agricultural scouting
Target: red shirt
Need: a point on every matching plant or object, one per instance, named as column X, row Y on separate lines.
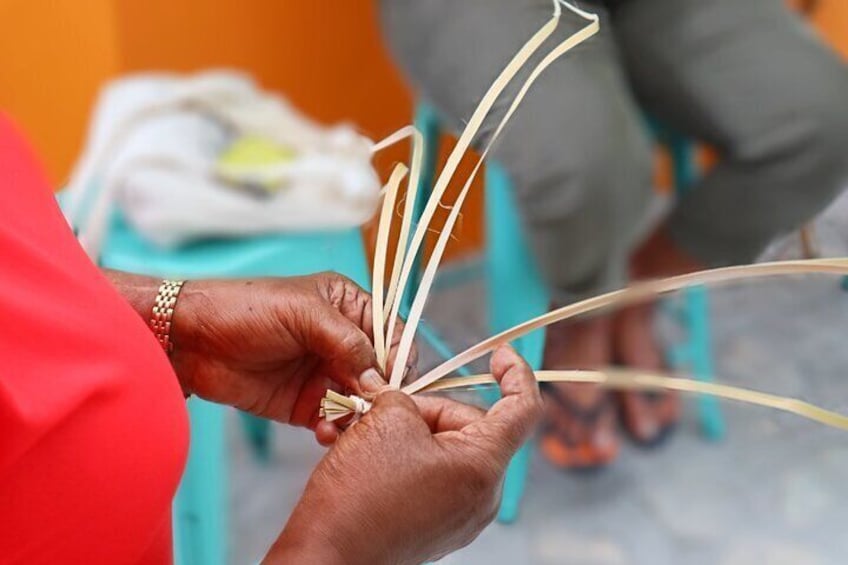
column 93, row 426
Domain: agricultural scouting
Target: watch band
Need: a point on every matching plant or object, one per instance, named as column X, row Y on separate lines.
column 163, row 312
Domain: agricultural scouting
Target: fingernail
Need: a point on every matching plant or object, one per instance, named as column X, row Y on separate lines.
column 371, row 381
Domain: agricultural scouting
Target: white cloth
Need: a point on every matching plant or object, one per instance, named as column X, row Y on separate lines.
column 154, row 144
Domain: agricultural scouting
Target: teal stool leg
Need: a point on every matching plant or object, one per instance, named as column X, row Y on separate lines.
column 200, row 525
column 514, row 484
column 258, row 433
column 697, row 353
column 701, row 360
column 516, row 292
column 845, row 283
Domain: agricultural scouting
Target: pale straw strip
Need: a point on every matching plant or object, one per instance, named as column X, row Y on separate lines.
column 336, row 406
column 459, row 150
column 378, row 275
column 630, row 295
column 639, row 380
column 416, row 165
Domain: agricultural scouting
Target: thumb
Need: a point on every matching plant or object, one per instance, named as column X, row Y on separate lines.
column 509, row 423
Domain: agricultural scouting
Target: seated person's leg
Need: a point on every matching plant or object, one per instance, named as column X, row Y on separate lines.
column 579, row 158
column 753, row 80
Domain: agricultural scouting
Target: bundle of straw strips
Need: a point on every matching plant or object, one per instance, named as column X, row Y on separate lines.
column 386, row 301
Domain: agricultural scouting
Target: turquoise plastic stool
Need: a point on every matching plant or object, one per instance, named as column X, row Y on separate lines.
column 200, row 507
column 695, row 353
column 516, row 291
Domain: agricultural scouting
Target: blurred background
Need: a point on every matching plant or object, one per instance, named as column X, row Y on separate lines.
column 768, row 488
column 57, row 55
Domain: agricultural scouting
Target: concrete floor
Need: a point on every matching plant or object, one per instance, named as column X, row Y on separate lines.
column 773, row 492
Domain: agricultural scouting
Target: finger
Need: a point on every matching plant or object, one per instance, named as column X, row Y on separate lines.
column 444, row 414
column 398, row 408
column 514, row 375
column 306, row 408
column 355, row 304
column 345, row 348
column 389, row 398
column 326, row 433
column 509, row 423
column 350, row 299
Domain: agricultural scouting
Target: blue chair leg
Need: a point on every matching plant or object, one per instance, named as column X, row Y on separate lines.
column 258, row 433
column 701, row 360
column 845, row 283
column 516, row 292
column 697, row 352
column 514, row 484
column 200, row 525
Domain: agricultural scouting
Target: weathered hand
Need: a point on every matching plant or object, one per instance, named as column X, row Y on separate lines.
column 414, row 479
column 273, row 346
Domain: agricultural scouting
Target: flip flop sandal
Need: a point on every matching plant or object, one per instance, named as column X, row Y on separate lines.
column 560, row 446
column 666, row 430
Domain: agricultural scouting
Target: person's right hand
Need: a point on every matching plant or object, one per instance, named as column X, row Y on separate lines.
column 414, row 479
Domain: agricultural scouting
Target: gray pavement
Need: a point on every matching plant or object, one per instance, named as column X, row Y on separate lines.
column 775, row 491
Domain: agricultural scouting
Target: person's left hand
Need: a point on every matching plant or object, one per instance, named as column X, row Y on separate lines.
column 414, row 479
column 272, row 347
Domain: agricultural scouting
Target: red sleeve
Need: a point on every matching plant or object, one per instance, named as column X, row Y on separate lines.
column 93, row 430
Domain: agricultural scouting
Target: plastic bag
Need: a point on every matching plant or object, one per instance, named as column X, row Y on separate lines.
column 211, row 156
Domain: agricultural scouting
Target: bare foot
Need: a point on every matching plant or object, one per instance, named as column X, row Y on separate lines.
column 580, row 430
column 647, row 416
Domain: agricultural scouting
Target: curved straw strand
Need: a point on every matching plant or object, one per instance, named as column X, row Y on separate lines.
column 625, row 379
column 392, row 138
column 626, row 296
column 377, row 278
column 416, row 165
column 636, row 380
column 393, row 298
column 427, row 278
column 459, row 150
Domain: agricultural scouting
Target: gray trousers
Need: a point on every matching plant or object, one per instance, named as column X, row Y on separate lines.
column 745, row 76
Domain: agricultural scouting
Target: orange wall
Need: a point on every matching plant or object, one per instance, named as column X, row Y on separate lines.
column 325, row 56
column 832, row 19
column 53, row 58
